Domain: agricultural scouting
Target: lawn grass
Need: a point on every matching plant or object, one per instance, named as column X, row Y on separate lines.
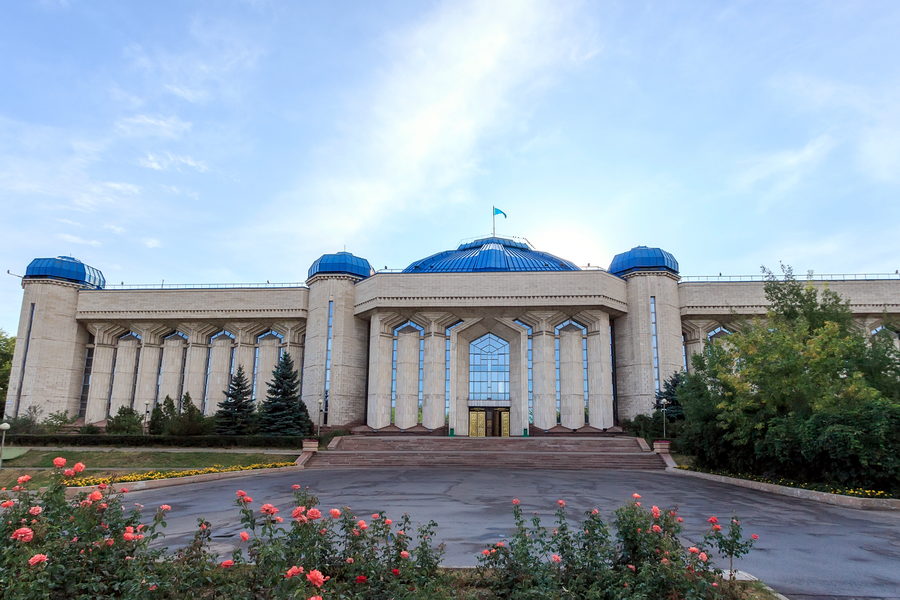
column 39, row 463
column 143, row 458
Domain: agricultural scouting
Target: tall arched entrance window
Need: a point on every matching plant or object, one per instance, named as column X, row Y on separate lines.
column 489, row 397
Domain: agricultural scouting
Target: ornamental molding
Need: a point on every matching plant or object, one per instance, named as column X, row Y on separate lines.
column 597, row 299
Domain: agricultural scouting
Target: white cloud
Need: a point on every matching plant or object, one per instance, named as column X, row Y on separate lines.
column 74, row 239
column 167, row 161
column 152, row 126
column 467, row 73
column 114, row 228
column 778, row 172
column 869, row 118
column 69, row 222
column 151, row 242
column 40, row 161
column 217, row 53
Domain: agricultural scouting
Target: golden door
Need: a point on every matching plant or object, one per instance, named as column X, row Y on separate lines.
column 477, row 423
column 504, row 423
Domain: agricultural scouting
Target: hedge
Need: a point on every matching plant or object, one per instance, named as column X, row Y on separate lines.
column 190, row 441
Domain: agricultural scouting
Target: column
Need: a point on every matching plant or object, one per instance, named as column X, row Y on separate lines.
column 571, row 377
column 269, row 351
column 245, row 352
column 434, row 372
column 101, row 371
column 378, row 412
column 148, row 367
column 196, row 364
column 127, row 353
column 407, row 406
column 171, row 375
column 543, row 350
column 600, row 391
column 219, row 371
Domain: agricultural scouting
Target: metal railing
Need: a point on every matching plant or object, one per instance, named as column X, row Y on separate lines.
column 800, row 277
column 685, row 278
column 201, row 286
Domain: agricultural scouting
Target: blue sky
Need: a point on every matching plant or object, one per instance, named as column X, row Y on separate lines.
column 200, row 142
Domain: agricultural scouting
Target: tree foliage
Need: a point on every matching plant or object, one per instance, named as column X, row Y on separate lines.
column 803, row 393
column 283, row 412
column 7, row 347
column 236, row 412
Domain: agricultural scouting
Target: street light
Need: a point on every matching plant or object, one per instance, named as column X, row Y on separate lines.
column 319, row 420
column 146, row 416
column 3, row 427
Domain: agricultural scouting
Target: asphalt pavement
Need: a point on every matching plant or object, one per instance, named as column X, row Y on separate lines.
column 806, row 550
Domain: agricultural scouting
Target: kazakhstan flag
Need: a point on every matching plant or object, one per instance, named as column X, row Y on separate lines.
column 497, row 211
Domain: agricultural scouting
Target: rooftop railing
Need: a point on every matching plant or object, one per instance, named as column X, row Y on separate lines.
column 201, row 286
column 799, row 276
column 685, row 278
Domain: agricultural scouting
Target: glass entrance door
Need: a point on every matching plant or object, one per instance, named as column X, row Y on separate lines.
column 493, row 422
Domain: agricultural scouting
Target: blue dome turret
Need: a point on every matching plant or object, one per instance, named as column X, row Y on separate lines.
column 66, row 268
column 341, row 263
column 488, row 255
column 642, row 258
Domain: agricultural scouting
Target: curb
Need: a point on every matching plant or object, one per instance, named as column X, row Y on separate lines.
column 782, row 490
column 745, row 576
column 152, row 484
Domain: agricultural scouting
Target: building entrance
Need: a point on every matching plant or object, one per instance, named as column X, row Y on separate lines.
column 488, row 422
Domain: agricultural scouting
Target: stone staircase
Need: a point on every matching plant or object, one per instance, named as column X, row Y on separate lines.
column 576, row 452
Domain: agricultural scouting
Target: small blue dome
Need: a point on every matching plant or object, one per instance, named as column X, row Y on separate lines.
column 67, row 269
column 341, row 262
column 490, row 254
column 642, row 258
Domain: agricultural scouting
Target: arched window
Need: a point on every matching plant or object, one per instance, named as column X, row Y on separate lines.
column 489, row 371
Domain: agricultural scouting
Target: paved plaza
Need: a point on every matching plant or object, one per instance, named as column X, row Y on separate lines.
column 806, row 550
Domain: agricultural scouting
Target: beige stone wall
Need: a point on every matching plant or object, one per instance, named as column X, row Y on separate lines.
column 56, row 345
column 481, row 290
column 635, row 374
column 349, row 352
column 256, row 304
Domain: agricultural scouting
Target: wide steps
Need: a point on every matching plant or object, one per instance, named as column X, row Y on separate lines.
column 506, row 453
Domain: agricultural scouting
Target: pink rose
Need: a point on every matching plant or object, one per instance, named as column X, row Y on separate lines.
column 59, row 462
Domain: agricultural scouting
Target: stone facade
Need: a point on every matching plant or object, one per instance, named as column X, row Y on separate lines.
column 390, row 350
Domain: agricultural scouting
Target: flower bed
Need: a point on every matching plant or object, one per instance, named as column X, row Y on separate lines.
column 151, row 475
column 97, row 545
column 816, row 487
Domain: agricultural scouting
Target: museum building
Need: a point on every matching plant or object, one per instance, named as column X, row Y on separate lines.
column 494, row 338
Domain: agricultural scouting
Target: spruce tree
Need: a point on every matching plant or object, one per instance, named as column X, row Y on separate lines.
column 283, row 412
column 235, row 414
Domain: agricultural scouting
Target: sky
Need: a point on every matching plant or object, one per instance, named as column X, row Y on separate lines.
column 237, row 141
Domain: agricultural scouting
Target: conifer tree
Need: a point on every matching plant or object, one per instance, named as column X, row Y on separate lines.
column 283, row 412
column 235, row 414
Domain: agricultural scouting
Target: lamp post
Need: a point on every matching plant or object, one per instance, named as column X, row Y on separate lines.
column 4, row 427
column 146, row 417
column 319, row 419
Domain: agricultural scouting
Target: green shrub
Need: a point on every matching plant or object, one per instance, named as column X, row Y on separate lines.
column 127, row 420
column 198, row 441
column 89, row 430
column 27, row 421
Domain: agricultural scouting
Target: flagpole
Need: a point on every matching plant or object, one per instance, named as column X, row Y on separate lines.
column 493, row 221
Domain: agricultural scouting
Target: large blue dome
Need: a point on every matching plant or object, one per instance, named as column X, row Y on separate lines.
column 341, row 262
column 67, row 269
column 642, row 258
column 490, row 254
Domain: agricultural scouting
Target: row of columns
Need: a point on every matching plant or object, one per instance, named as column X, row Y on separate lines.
column 544, row 370
column 571, row 371
column 129, row 370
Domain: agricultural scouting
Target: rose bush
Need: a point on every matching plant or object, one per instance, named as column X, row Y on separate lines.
column 644, row 559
